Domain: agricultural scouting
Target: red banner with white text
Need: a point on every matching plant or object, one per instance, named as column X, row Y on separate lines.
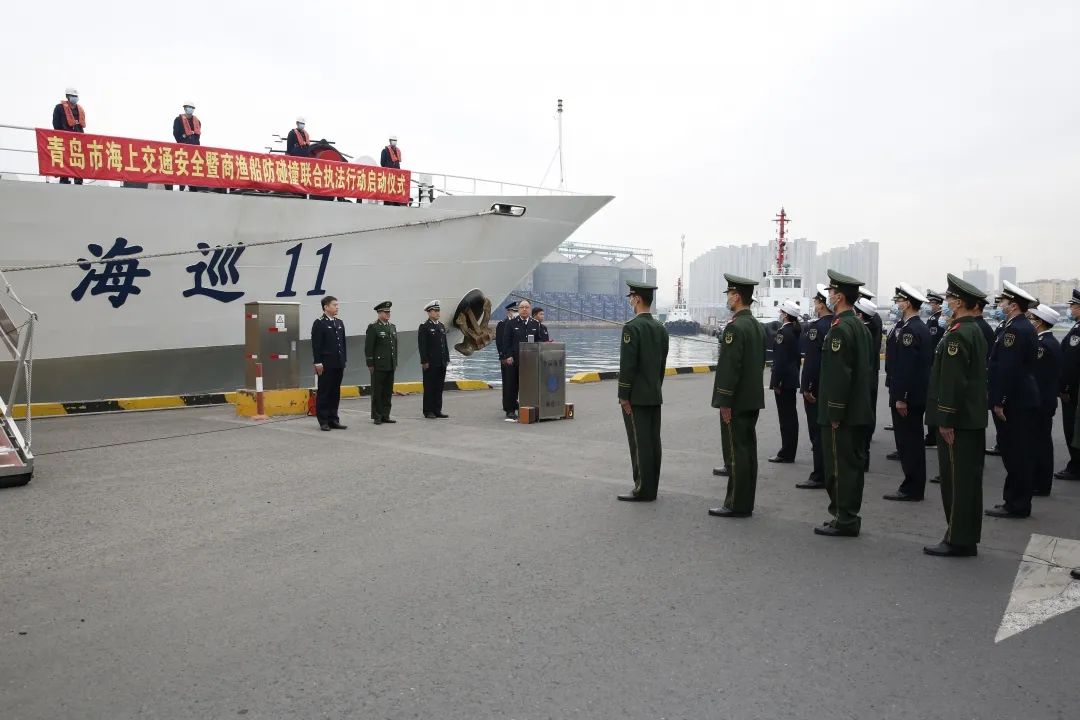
column 102, row 157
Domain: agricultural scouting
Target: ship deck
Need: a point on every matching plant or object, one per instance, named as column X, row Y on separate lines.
column 191, row 564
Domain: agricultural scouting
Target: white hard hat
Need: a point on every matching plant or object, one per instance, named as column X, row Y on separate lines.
column 791, row 308
column 189, row 104
column 71, row 91
column 300, row 119
column 1047, row 314
column 393, row 138
column 866, row 306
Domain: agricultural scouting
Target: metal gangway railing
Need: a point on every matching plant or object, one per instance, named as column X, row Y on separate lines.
column 16, row 456
column 18, row 160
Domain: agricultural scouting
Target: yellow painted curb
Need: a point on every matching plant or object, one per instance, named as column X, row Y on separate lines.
column 701, row 369
column 158, row 402
column 39, row 410
column 275, row 402
column 408, row 388
column 472, row 385
column 670, row 371
column 350, row 391
column 585, row 377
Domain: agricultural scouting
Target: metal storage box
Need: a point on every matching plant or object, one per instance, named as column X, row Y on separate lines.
column 271, row 337
column 542, row 378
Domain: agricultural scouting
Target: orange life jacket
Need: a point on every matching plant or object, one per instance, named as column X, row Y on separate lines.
column 187, row 125
column 71, row 116
column 395, row 153
column 301, row 137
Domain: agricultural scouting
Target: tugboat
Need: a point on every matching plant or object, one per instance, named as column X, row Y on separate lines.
column 679, row 321
column 782, row 281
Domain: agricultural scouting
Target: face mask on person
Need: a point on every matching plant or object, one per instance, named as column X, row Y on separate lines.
column 73, row 99
column 947, row 312
column 894, row 311
column 188, row 110
column 300, row 126
column 998, row 314
column 393, row 143
column 831, row 304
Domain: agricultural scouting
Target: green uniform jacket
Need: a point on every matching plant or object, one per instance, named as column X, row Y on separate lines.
column 957, row 396
column 739, row 384
column 642, row 361
column 380, row 346
column 845, row 373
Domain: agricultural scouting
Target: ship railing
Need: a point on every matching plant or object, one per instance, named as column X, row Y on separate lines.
column 18, row 158
column 17, row 338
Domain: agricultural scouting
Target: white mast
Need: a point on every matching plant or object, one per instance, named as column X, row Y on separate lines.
column 562, row 177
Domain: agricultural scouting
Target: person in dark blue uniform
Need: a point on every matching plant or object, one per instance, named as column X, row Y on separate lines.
column 1069, row 389
column 811, row 380
column 784, row 380
column 434, row 357
column 542, row 334
column 908, row 357
column 866, row 311
column 329, row 351
column 933, row 324
column 501, row 341
column 69, row 116
column 519, row 330
column 391, row 155
column 298, row 142
column 1047, row 378
column 1013, row 397
column 999, row 315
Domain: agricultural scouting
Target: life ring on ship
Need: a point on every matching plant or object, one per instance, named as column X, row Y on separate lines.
column 322, row 150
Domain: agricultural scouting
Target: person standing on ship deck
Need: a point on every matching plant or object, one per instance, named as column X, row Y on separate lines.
column 391, row 158
column 298, row 142
column 70, row 117
column 187, row 130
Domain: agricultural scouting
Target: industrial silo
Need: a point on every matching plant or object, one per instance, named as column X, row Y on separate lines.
column 598, row 276
column 556, row 274
column 630, row 269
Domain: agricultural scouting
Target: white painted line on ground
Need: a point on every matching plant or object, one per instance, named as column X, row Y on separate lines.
column 1043, row 588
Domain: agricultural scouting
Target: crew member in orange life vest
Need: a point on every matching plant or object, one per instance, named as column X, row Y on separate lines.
column 187, row 130
column 391, row 155
column 298, row 143
column 70, row 116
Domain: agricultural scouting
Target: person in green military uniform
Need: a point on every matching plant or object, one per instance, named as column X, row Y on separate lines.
column 642, row 359
column 956, row 403
column 739, row 392
column 844, row 410
column 380, row 347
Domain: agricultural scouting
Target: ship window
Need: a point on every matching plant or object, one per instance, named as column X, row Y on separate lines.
column 776, row 283
column 787, row 282
column 798, row 282
column 776, row 303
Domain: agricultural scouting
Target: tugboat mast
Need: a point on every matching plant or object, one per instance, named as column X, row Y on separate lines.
column 682, row 261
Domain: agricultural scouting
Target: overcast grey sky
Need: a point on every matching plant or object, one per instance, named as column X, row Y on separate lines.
column 944, row 130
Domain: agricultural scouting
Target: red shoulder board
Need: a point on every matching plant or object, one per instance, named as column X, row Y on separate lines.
column 835, row 322
column 955, row 326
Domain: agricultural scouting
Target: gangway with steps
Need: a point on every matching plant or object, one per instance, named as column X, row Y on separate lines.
column 16, row 457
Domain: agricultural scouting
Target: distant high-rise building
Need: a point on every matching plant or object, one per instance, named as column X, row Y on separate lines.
column 1008, row 272
column 706, row 275
column 1051, row 292
column 980, row 279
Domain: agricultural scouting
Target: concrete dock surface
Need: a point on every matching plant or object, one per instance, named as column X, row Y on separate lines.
column 191, row 564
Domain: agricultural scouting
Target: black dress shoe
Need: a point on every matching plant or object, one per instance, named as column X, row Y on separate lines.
column 1075, row 574
column 324, row 427
column 810, row 484
column 441, row 415
column 1066, row 475
column 630, row 497
column 887, row 428
column 944, row 549
column 429, row 416
column 1004, row 512
column 335, row 425
column 511, row 415
column 902, row 497
column 778, row 459
column 388, row 420
column 1041, row 493
column 894, row 455
column 727, row 512
column 936, row 479
column 993, row 450
column 722, row 471
column 830, row 531
column 378, row 421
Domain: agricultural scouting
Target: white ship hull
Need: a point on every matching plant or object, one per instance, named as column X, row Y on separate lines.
column 159, row 341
